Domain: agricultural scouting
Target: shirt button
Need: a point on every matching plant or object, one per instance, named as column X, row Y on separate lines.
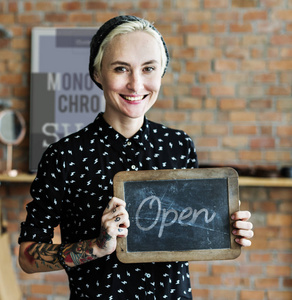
column 129, row 143
column 133, row 167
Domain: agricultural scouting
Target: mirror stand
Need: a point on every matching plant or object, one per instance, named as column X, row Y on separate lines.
column 9, row 170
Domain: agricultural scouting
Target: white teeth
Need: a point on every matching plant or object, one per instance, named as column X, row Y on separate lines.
column 134, row 98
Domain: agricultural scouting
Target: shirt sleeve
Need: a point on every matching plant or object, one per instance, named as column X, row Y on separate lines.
column 47, row 190
column 192, row 161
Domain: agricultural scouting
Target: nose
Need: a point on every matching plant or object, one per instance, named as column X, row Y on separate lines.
column 135, row 82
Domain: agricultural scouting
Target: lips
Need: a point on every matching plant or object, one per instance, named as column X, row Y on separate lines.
column 133, row 98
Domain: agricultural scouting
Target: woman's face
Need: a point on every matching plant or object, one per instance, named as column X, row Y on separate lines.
column 130, row 75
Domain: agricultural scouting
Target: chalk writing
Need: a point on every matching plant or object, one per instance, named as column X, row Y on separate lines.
column 187, row 216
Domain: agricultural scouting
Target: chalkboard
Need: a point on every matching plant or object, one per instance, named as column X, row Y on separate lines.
column 178, row 215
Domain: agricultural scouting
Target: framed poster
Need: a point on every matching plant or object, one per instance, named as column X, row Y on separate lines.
column 64, row 99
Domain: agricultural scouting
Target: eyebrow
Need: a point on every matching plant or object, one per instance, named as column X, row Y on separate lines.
column 153, row 61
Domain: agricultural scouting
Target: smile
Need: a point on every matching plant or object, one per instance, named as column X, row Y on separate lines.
column 133, row 98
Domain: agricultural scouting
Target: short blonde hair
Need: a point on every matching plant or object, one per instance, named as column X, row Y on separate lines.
column 128, row 27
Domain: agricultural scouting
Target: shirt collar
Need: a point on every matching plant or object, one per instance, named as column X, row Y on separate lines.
column 141, row 137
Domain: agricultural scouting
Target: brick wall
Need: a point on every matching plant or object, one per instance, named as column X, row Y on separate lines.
column 228, row 86
column 229, row 80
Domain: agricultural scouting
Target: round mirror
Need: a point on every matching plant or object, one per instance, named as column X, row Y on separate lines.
column 12, row 127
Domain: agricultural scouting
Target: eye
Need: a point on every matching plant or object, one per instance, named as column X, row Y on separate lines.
column 149, row 69
column 121, row 69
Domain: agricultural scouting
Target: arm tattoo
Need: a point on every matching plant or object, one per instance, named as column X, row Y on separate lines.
column 79, row 253
column 45, row 254
column 73, row 254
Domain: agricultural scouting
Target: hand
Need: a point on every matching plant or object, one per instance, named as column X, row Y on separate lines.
column 242, row 228
column 114, row 223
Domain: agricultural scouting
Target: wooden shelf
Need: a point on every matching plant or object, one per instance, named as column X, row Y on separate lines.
column 243, row 181
column 267, row 182
column 21, row 177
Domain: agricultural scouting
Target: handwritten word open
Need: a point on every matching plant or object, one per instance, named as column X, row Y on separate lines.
column 181, row 218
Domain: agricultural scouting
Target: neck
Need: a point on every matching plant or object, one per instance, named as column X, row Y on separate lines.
column 127, row 127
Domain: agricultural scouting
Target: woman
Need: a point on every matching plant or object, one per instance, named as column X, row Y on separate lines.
column 73, row 186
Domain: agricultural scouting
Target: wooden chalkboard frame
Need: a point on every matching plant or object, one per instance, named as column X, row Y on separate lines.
column 187, row 255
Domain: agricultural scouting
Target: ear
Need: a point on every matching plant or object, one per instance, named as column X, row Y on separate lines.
column 97, row 77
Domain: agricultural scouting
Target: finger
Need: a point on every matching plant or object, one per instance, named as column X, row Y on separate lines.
column 243, row 242
column 241, row 215
column 243, row 233
column 115, row 202
column 243, row 225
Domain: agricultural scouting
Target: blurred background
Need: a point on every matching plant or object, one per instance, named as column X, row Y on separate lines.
column 228, row 85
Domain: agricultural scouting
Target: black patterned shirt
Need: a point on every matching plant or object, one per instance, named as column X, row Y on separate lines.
column 72, row 187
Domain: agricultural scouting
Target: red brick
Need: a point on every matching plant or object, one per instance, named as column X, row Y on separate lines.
column 202, row 116
column 73, row 5
column 207, row 280
column 255, row 295
column 29, row 19
column 222, row 156
column 262, row 143
column 279, row 220
column 41, row 289
column 7, row 19
column 198, row 66
column 286, row 52
column 261, row 257
column 216, row 129
column 238, row 28
column 279, row 295
column 280, row 65
column 265, row 78
column 227, row 15
column 221, row 269
column 244, row 3
column 225, row 65
column 209, row 53
column 189, row 103
column 281, row 39
column 187, row 4
column 280, row 90
column 207, row 142
column 285, row 15
column 11, row 79
column 278, row 271
column 96, row 5
column 56, row 17
column 242, row 116
column 189, row 28
column 235, row 142
column 223, row 294
column 185, row 53
column 261, row 104
column 80, row 17
column 255, row 15
column 198, row 40
column 252, row 156
column 222, row 90
column 215, row 4
column 251, row 91
column 199, row 16
column 208, row 28
column 253, row 65
column 232, row 104
column 148, row 4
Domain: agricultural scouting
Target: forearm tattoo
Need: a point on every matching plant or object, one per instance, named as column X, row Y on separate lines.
column 72, row 254
column 43, row 254
column 79, row 253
